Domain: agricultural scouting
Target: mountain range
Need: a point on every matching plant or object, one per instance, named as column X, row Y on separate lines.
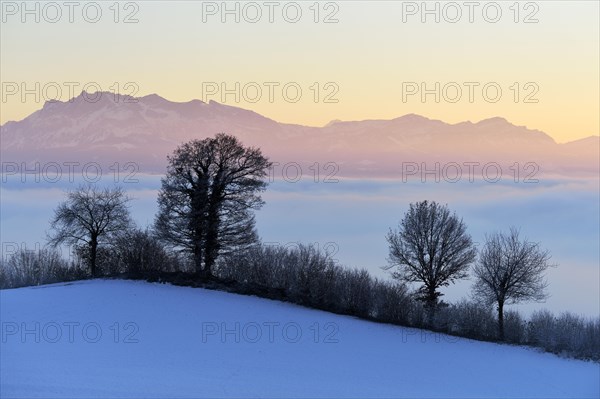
column 118, row 128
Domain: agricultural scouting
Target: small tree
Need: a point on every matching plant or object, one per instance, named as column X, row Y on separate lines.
column 207, row 196
column 510, row 270
column 90, row 216
column 431, row 246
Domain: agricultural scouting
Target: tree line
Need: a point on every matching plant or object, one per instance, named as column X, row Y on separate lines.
column 205, row 235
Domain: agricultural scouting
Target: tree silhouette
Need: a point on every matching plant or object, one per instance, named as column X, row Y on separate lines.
column 431, row 246
column 207, row 196
column 92, row 216
column 510, row 270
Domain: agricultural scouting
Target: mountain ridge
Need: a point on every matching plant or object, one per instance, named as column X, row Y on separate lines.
column 106, row 126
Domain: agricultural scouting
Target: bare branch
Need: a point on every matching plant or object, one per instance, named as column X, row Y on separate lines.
column 430, row 246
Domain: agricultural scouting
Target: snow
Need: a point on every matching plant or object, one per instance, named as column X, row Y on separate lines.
column 170, row 344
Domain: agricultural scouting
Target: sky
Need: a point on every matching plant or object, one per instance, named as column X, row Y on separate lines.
column 534, row 63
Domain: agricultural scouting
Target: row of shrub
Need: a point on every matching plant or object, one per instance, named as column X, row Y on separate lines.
column 308, row 277
column 305, row 276
column 568, row 334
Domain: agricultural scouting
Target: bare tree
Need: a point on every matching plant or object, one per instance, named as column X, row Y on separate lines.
column 431, row 246
column 510, row 270
column 91, row 216
column 206, row 198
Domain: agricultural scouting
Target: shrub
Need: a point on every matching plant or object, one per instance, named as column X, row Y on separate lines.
column 138, row 253
column 540, row 330
column 567, row 334
column 391, row 302
column 34, row 267
column 515, row 327
column 470, row 319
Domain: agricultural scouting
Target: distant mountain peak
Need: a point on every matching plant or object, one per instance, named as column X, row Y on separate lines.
column 496, row 120
column 414, row 117
column 104, row 125
column 49, row 104
column 101, row 97
column 333, row 122
column 152, row 98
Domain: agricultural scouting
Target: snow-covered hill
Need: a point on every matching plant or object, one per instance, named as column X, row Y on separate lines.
column 105, row 338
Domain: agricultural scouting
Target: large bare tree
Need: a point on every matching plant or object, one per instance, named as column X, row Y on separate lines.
column 431, row 246
column 207, row 196
column 510, row 270
column 92, row 216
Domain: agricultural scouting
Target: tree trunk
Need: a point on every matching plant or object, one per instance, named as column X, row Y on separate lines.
column 93, row 254
column 501, row 321
column 212, row 232
column 211, row 251
column 210, row 261
column 198, row 259
column 199, row 204
column 431, row 303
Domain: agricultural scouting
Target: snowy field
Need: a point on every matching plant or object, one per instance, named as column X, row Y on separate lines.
column 107, row 338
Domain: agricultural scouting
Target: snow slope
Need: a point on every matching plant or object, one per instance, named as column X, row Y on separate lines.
column 185, row 342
